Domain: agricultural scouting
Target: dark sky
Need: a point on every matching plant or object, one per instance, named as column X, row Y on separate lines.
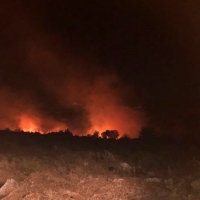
column 95, row 65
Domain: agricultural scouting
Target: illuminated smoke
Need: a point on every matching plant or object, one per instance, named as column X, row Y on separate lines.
column 107, row 111
column 29, row 124
column 18, row 112
column 55, row 88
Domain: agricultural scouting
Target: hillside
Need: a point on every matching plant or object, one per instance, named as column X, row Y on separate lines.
column 60, row 166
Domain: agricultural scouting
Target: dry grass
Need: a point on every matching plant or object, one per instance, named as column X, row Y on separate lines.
column 76, row 170
column 69, row 177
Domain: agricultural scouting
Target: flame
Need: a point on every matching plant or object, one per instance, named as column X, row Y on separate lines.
column 67, row 76
column 34, row 124
column 123, row 120
column 28, row 124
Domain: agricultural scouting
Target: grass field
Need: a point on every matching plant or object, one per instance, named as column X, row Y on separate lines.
column 59, row 167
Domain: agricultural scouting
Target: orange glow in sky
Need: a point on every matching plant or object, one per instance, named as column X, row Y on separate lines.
column 114, row 118
column 28, row 124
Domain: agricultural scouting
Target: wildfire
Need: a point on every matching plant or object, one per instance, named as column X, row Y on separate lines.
column 115, row 118
column 43, row 125
column 29, row 124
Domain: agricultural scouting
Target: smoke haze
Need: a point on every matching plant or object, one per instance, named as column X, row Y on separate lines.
column 100, row 65
column 47, row 86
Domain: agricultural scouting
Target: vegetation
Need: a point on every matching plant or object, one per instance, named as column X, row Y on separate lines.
column 62, row 166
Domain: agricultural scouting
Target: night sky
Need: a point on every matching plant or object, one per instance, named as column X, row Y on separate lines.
column 96, row 65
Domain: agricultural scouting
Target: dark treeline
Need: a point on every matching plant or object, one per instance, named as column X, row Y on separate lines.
column 109, row 139
column 147, row 148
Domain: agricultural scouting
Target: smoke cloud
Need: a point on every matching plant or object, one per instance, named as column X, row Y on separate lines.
column 48, row 86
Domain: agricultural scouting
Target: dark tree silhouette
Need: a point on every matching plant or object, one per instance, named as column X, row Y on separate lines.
column 147, row 133
column 126, row 137
column 110, row 134
column 96, row 134
column 68, row 133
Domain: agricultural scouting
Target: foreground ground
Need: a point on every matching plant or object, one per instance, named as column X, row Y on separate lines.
column 85, row 168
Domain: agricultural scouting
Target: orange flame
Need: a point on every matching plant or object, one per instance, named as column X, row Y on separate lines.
column 28, row 124
column 121, row 119
column 34, row 124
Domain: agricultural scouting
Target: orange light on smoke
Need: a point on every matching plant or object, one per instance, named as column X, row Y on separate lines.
column 123, row 120
column 40, row 124
column 28, row 124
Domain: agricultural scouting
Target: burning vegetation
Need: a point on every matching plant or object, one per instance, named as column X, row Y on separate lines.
column 100, row 109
